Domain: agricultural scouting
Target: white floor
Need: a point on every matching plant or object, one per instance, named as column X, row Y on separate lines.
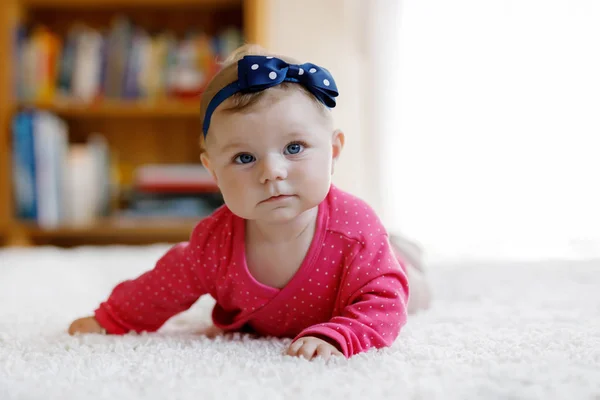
column 496, row 331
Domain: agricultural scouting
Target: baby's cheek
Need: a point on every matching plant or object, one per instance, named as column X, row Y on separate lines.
column 235, row 193
column 317, row 178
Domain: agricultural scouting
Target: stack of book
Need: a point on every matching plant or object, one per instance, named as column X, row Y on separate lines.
column 57, row 183
column 123, row 62
column 172, row 190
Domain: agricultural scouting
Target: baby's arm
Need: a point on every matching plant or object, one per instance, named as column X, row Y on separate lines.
column 147, row 302
column 372, row 303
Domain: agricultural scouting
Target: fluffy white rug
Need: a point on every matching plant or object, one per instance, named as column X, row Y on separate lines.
column 496, row 331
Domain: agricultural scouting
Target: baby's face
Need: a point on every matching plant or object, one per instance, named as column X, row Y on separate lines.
column 273, row 161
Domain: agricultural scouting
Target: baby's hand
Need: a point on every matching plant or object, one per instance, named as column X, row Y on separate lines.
column 309, row 347
column 211, row 332
column 85, row 325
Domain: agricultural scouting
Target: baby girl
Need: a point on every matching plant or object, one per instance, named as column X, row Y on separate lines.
column 289, row 254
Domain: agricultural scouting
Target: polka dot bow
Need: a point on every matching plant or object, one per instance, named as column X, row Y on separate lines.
column 256, row 73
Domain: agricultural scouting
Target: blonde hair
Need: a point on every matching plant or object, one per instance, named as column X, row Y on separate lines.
column 240, row 101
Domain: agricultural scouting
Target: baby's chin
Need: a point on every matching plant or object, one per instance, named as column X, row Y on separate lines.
column 274, row 215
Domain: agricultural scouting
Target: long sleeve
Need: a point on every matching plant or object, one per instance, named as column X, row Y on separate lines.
column 372, row 302
column 147, row 302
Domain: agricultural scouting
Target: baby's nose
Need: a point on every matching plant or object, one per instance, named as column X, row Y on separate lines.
column 273, row 168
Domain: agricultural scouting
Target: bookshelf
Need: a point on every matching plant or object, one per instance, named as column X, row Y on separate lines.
column 160, row 129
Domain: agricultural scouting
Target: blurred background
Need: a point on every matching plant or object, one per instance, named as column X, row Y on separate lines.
column 472, row 126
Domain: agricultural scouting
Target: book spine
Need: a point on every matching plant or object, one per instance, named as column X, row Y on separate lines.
column 24, row 177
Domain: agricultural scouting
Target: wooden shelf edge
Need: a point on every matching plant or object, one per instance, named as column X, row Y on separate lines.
column 119, row 108
column 116, row 228
column 90, row 4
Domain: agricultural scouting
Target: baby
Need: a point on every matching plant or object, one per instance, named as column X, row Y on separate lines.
column 289, row 254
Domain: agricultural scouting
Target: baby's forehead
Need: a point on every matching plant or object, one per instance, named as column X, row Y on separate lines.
column 265, row 98
column 287, row 106
column 261, row 132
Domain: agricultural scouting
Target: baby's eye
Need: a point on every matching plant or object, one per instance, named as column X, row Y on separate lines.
column 244, row 158
column 294, row 148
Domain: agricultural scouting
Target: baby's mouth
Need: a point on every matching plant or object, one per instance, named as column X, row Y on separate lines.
column 277, row 198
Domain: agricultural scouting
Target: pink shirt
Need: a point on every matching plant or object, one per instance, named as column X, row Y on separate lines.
column 350, row 289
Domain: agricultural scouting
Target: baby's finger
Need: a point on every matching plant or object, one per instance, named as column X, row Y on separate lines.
column 308, row 349
column 212, row 332
column 74, row 328
column 324, row 351
column 294, row 347
column 335, row 352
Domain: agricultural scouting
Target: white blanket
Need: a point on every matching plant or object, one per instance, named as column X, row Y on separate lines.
column 496, row 331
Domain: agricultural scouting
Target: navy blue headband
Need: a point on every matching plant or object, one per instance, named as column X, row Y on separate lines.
column 256, row 73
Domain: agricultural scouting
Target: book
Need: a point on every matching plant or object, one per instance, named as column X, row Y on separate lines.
column 124, row 61
column 24, row 166
column 174, row 178
column 57, row 183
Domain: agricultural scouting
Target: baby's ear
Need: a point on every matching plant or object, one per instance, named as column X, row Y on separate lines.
column 337, row 145
column 206, row 162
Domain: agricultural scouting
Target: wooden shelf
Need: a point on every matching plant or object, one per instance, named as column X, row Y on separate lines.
column 138, row 132
column 90, row 4
column 117, row 228
column 121, row 108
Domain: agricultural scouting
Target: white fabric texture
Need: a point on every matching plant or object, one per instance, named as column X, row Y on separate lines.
column 495, row 331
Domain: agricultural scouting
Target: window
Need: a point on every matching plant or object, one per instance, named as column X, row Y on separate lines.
column 497, row 151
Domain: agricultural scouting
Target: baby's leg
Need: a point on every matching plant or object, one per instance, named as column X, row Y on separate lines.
column 411, row 256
